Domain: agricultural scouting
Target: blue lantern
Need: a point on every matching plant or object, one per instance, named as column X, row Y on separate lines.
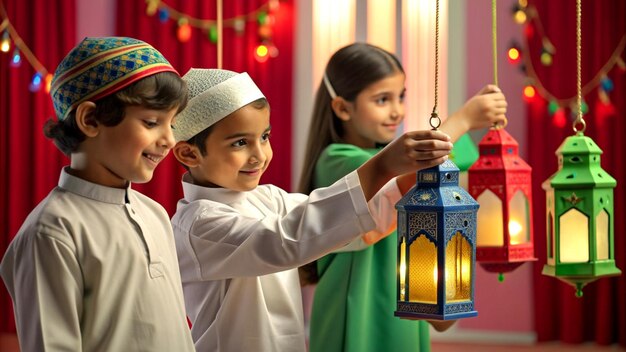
column 436, row 247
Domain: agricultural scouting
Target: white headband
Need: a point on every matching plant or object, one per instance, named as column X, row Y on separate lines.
column 329, row 87
column 213, row 102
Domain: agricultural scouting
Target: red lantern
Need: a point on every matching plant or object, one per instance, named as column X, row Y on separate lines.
column 501, row 183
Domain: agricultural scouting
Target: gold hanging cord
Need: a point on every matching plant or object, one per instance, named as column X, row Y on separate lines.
column 220, row 40
column 579, row 124
column 494, row 45
column 434, row 120
column 494, row 29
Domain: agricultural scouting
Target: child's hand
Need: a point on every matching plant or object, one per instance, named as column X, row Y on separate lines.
column 485, row 109
column 413, row 151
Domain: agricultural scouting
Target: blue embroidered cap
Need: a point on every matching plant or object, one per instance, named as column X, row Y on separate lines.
column 98, row 67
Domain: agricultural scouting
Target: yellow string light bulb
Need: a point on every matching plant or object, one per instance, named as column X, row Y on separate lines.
column 5, row 44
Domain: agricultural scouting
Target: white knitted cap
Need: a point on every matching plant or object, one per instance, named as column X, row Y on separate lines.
column 213, row 95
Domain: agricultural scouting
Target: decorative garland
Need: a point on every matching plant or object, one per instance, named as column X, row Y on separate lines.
column 262, row 15
column 10, row 35
column 524, row 14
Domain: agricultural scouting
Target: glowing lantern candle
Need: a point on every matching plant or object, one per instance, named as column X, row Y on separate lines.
column 436, row 247
column 501, row 182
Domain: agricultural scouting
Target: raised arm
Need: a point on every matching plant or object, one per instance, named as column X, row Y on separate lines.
column 486, row 108
column 414, row 150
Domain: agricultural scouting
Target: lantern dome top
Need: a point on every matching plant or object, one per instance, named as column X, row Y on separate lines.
column 438, row 188
column 579, row 165
column 499, row 151
column 578, row 144
column 497, row 137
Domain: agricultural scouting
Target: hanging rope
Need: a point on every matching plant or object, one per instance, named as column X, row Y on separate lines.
column 494, row 31
column 220, row 27
column 434, row 120
column 579, row 97
column 494, row 46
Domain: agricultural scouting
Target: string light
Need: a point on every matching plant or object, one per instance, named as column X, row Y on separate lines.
column 529, row 92
column 5, row 45
column 48, row 82
column 164, row 15
column 514, row 55
column 262, row 15
column 533, row 25
column 261, row 53
column 35, row 83
column 546, row 58
column 183, row 32
column 16, row 60
column 21, row 50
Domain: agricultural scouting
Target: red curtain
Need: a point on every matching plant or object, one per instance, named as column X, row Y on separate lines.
column 600, row 315
column 274, row 77
column 29, row 162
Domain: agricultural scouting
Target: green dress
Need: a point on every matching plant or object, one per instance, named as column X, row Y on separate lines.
column 356, row 295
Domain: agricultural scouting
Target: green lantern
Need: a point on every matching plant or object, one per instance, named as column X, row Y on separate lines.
column 579, row 206
column 580, row 215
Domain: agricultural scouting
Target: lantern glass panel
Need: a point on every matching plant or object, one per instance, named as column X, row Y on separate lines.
column 458, row 269
column 574, row 237
column 518, row 219
column 602, row 235
column 550, row 239
column 490, row 229
column 423, row 271
column 402, row 270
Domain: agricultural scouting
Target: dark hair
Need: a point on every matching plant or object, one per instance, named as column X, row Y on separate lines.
column 350, row 70
column 199, row 139
column 161, row 91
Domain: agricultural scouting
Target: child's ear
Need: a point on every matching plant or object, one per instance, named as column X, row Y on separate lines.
column 186, row 153
column 341, row 107
column 86, row 119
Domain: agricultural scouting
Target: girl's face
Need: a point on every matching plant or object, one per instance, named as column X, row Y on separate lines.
column 238, row 151
column 376, row 113
column 129, row 151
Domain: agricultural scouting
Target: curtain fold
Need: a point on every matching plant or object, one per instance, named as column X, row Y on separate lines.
column 600, row 315
column 274, row 77
column 29, row 162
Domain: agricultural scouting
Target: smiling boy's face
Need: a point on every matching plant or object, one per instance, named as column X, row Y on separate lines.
column 238, row 151
column 128, row 151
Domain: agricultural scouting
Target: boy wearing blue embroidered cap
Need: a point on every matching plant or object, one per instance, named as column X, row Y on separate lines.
column 239, row 243
column 94, row 265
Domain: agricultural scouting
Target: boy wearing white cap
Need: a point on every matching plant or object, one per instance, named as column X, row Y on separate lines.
column 94, row 267
column 239, row 244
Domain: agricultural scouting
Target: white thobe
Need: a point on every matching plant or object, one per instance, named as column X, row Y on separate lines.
column 94, row 268
column 239, row 252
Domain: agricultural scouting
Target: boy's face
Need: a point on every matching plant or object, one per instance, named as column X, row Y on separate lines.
column 238, row 151
column 131, row 150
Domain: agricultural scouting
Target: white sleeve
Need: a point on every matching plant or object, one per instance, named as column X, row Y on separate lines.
column 383, row 209
column 222, row 242
column 383, row 206
column 44, row 280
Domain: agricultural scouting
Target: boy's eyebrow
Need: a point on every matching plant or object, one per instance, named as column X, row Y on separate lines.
column 244, row 134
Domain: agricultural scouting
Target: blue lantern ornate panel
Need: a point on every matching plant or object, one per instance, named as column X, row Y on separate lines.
column 436, row 247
